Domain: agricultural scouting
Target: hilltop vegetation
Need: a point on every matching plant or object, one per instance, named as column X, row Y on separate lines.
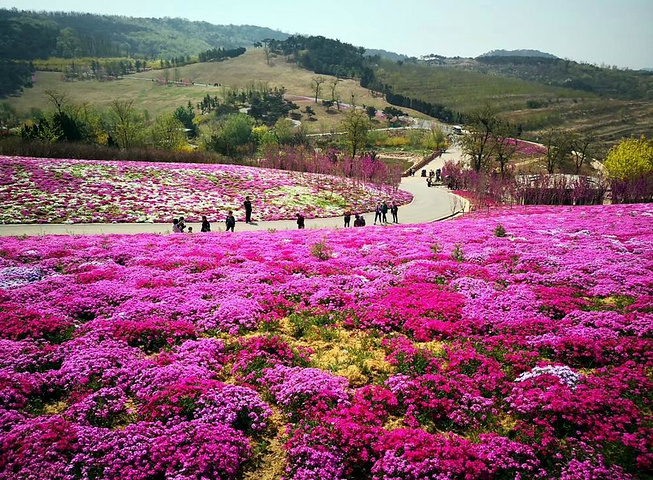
column 33, row 35
column 608, row 82
column 517, row 53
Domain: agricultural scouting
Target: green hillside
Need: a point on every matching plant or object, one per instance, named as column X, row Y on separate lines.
column 608, row 82
column 32, row 35
column 532, row 105
column 461, row 90
column 148, row 92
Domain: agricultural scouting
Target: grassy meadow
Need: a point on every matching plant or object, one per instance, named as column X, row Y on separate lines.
column 464, row 90
column 247, row 70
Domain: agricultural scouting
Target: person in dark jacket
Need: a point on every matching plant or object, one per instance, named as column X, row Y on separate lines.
column 206, row 226
column 248, row 210
column 300, row 221
column 384, row 211
column 394, row 209
column 377, row 213
column 347, row 218
column 230, row 221
column 182, row 224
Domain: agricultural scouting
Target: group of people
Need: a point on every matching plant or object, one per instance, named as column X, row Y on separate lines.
column 359, row 220
column 382, row 208
column 179, row 225
column 434, row 177
column 381, row 213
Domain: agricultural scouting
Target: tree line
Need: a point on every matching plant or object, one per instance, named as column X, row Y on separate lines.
column 219, row 54
column 221, row 128
column 322, row 55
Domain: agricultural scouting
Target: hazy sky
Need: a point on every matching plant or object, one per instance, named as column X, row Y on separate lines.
column 612, row 32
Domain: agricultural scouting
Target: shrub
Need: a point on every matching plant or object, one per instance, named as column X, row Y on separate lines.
column 321, row 250
column 499, row 231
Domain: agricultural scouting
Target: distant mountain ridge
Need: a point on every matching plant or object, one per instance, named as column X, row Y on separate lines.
column 517, row 53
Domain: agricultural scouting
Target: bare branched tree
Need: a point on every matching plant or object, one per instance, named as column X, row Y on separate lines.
column 316, row 85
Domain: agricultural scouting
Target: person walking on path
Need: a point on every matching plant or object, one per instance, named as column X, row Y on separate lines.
column 394, row 209
column 181, row 224
column 300, row 221
column 175, row 225
column 248, row 210
column 347, row 218
column 377, row 213
column 206, row 226
column 230, row 221
column 384, row 211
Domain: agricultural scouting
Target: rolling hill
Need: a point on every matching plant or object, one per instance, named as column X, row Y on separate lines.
column 517, row 53
column 26, row 35
column 247, row 70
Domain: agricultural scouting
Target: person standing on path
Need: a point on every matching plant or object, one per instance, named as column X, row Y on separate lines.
column 175, row 225
column 230, row 221
column 377, row 213
column 181, row 224
column 300, row 221
column 394, row 209
column 248, row 210
column 347, row 218
column 206, row 226
column 384, row 211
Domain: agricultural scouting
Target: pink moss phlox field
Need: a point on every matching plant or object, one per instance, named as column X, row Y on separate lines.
column 527, row 149
column 414, row 352
column 42, row 190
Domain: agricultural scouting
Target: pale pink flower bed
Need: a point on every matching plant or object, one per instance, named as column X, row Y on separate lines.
column 39, row 190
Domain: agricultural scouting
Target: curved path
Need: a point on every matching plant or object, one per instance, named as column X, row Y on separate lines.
column 428, row 205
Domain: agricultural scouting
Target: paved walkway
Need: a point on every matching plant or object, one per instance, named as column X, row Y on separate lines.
column 428, row 205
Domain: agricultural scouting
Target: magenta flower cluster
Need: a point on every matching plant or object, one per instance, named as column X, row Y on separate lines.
column 526, row 356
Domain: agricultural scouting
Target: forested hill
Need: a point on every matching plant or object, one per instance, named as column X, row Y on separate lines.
column 28, row 35
column 518, row 53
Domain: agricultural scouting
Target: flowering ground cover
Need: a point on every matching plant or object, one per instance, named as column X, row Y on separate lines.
column 38, row 190
column 455, row 350
column 527, row 149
